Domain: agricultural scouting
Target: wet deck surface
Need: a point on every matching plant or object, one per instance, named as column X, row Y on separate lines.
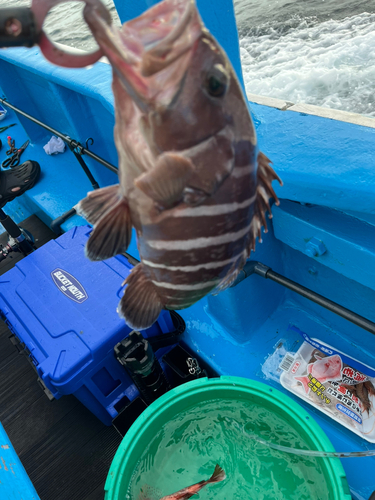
column 65, row 450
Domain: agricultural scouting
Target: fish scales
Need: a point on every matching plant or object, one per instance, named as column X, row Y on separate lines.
column 180, row 226
column 214, row 253
column 188, row 276
column 191, row 179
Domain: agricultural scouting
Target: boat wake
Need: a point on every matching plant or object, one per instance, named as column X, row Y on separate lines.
column 328, row 63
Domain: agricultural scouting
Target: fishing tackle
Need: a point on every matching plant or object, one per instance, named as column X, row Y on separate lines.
column 137, row 356
column 3, row 129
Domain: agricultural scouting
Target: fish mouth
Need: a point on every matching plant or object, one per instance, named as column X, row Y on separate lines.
column 151, row 53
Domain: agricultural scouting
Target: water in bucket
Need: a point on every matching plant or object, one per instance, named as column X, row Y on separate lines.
column 186, row 449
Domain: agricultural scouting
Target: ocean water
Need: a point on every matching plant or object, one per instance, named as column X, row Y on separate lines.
column 65, row 24
column 312, row 51
column 316, row 52
column 186, row 449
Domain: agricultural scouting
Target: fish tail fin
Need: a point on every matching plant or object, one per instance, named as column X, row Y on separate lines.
column 265, row 191
column 305, row 382
column 109, row 212
column 141, row 305
column 217, row 476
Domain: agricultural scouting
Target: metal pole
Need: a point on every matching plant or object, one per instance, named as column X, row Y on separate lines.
column 345, row 313
column 71, row 143
column 253, row 267
column 94, row 184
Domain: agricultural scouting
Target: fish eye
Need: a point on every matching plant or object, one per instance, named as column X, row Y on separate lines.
column 217, row 81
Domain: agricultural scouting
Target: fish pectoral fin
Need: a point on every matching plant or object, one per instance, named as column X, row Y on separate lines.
column 97, row 202
column 167, row 180
column 213, row 161
column 111, row 234
column 140, row 306
column 265, row 176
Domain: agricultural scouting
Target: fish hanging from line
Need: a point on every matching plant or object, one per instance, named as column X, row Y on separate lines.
column 148, row 493
column 192, row 182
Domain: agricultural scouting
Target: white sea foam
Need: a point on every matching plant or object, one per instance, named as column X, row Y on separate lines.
column 329, row 64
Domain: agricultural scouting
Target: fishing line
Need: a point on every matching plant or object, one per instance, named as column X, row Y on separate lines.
column 311, row 453
column 297, row 451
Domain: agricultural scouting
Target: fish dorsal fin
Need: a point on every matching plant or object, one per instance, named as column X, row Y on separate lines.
column 167, row 180
column 149, row 493
column 265, row 176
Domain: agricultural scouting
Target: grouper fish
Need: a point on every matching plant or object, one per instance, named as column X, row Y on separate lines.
column 191, row 179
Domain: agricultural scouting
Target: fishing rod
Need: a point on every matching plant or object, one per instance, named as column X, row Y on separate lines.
column 19, row 239
column 76, row 147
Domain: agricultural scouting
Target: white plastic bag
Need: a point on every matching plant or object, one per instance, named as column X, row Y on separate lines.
column 54, row 145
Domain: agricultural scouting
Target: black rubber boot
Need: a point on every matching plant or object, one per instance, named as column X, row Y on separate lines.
column 14, row 182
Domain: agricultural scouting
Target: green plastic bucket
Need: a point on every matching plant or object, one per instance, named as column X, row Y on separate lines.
column 185, row 396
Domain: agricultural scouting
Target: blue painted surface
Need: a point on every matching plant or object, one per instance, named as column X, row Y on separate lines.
column 14, row 482
column 78, row 103
column 325, row 163
column 340, row 241
column 63, row 308
column 321, row 161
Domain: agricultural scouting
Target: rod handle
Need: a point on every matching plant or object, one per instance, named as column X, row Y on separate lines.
column 18, row 27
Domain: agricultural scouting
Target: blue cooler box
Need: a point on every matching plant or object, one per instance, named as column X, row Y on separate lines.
column 63, row 308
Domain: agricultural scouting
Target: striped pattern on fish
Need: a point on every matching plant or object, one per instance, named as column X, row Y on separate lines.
column 192, row 181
